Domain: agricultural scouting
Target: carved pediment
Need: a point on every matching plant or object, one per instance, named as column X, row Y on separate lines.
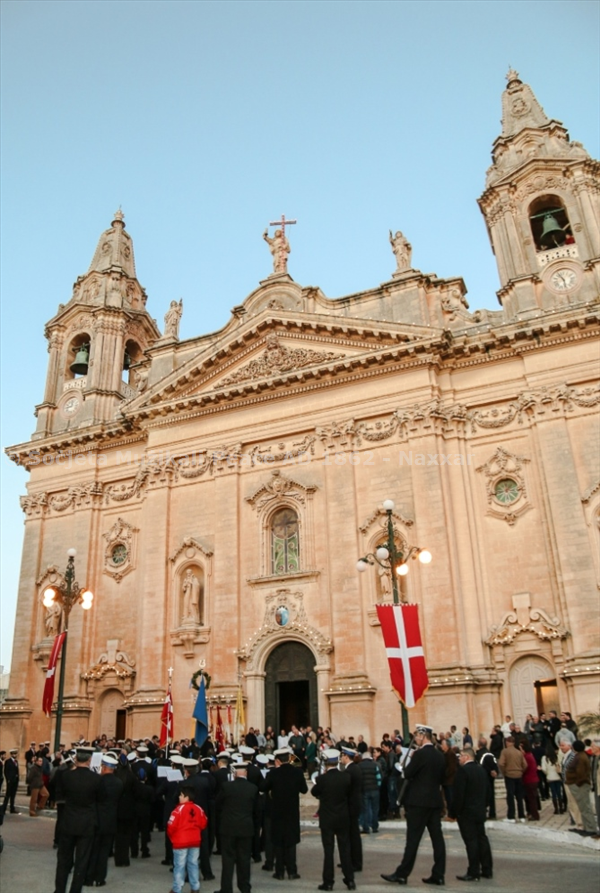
column 269, row 351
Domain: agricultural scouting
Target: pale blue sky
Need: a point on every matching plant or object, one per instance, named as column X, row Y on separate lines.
column 206, row 120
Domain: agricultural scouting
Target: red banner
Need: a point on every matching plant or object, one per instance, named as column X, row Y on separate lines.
column 48, row 695
column 219, row 735
column 166, row 721
column 404, row 649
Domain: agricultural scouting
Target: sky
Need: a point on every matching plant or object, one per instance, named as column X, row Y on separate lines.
column 205, row 121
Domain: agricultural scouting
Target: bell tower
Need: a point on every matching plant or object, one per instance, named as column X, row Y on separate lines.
column 542, row 209
column 95, row 339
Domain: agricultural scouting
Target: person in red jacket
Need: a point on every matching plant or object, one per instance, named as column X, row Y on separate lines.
column 185, row 828
column 530, row 781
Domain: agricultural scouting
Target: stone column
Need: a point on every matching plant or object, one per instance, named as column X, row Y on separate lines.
column 255, row 688
column 152, row 643
column 227, row 597
column 569, row 541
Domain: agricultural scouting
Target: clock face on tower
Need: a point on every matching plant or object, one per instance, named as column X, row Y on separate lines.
column 564, row 279
column 71, row 407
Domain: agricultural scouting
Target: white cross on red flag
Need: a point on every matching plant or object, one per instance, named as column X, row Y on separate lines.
column 404, row 649
column 48, row 695
column 166, row 721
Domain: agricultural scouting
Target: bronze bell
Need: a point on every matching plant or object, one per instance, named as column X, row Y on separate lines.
column 80, row 364
column 552, row 234
column 126, row 360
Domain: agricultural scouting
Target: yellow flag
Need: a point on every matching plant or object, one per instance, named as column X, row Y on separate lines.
column 240, row 719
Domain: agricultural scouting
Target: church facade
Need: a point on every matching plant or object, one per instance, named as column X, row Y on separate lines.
column 220, row 490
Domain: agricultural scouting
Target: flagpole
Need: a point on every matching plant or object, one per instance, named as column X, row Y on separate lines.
column 394, row 561
column 170, row 715
column 394, row 557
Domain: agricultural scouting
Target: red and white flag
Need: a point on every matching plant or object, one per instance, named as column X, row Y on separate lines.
column 404, row 649
column 219, row 734
column 48, row 695
column 166, row 721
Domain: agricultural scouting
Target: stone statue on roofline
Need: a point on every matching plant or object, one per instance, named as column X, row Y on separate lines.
column 402, row 252
column 172, row 319
column 279, row 248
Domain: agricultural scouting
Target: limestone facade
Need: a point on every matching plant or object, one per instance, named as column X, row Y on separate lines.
column 220, row 490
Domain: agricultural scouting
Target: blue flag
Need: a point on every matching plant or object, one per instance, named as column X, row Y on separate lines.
column 200, row 714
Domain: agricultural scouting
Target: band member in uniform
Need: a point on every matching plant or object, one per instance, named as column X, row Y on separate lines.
column 237, row 815
column 82, row 790
column 469, row 806
column 348, row 762
column 423, row 805
column 107, row 822
column 283, row 786
column 333, row 790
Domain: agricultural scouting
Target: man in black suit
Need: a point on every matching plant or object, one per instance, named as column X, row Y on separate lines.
column 82, row 791
column 469, row 807
column 237, row 815
column 11, row 776
column 423, row 804
column 334, row 791
column 283, row 786
column 108, row 808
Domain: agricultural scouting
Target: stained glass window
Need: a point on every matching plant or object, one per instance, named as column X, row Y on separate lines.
column 507, row 491
column 285, row 547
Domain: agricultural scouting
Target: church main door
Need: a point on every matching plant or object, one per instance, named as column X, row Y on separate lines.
column 291, row 687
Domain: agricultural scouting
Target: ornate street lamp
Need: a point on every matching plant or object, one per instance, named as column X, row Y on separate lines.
column 66, row 595
column 395, row 562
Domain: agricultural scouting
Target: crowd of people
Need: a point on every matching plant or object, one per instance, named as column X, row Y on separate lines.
column 242, row 801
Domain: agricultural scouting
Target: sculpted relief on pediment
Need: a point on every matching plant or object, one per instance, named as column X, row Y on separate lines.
column 276, row 359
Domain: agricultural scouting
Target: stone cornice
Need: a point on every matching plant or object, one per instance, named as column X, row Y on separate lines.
column 484, row 345
column 68, row 445
column 398, row 425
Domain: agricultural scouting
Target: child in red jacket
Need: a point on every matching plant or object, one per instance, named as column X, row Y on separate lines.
column 185, row 828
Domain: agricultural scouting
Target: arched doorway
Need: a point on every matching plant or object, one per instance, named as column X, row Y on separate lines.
column 112, row 716
column 532, row 687
column 291, row 687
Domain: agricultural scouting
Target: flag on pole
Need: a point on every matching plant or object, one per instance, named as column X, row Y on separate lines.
column 200, row 714
column 48, row 695
column 219, row 736
column 240, row 719
column 404, row 649
column 166, row 721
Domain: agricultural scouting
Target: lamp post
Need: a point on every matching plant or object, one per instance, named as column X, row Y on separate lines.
column 66, row 595
column 395, row 562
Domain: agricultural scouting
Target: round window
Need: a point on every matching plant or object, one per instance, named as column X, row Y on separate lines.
column 506, row 491
column 119, row 554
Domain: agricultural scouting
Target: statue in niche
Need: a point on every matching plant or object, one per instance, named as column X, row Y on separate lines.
column 402, row 252
column 172, row 318
column 279, row 248
column 385, row 584
column 191, row 597
column 52, row 620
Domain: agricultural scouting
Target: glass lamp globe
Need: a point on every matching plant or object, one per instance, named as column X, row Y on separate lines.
column 48, row 598
column 382, row 553
column 388, row 505
column 402, row 570
column 425, row 556
column 361, row 566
